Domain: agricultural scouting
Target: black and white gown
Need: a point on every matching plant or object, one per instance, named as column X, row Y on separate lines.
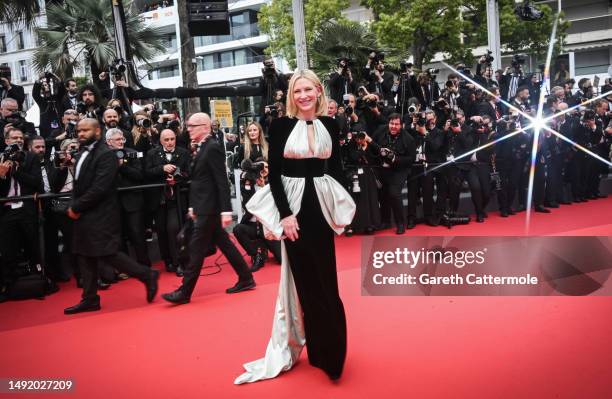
column 309, row 311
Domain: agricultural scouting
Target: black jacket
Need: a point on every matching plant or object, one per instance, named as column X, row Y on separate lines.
column 16, row 92
column 402, row 145
column 209, row 193
column 131, row 174
column 94, row 197
column 154, row 171
column 28, row 177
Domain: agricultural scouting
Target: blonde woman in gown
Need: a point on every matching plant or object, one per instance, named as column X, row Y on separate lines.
column 304, row 204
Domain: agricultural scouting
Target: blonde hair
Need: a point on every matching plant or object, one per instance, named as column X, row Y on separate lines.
column 307, row 74
column 136, row 129
column 248, row 143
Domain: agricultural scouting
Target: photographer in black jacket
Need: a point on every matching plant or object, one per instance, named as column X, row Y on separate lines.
column 341, row 81
column 397, row 152
column 168, row 164
column 131, row 202
column 48, row 92
column 19, row 175
column 379, row 80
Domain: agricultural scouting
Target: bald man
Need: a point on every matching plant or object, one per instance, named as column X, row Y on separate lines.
column 211, row 211
column 95, row 211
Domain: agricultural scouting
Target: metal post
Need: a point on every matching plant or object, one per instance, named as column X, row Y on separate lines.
column 300, row 34
column 493, row 32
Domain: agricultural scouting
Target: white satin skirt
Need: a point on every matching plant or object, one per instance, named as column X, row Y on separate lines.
column 288, row 337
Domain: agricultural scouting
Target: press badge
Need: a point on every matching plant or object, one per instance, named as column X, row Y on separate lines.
column 16, row 205
column 360, row 171
column 450, row 158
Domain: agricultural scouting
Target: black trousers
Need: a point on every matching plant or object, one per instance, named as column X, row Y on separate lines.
column 119, row 261
column 505, row 196
column 18, row 239
column 554, row 180
column 246, row 234
column 577, row 171
column 167, row 226
column 64, row 224
column 451, row 190
column 479, row 182
column 392, row 184
column 206, row 230
column 312, row 258
column 51, row 237
column 420, row 183
column 133, row 228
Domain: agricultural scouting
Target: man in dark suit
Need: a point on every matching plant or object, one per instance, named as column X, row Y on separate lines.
column 211, row 211
column 168, row 164
column 19, row 175
column 95, row 211
column 131, row 202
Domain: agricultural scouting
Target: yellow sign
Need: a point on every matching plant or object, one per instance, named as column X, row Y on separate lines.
column 221, row 110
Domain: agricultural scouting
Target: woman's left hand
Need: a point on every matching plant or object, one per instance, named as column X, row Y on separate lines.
column 290, row 227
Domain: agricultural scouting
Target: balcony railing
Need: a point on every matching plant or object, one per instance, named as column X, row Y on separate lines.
column 209, row 66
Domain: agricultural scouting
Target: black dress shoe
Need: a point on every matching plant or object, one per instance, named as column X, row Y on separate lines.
column 551, row 205
column 503, row 214
column 258, row 262
column 432, row 221
column 177, row 297
column 401, row 229
column 485, row 215
column 565, row 202
column 411, row 224
column 86, row 305
column 602, row 196
column 521, row 208
column 170, row 267
column 180, row 270
column 480, row 218
column 511, row 212
column 541, row 209
column 151, row 284
column 348, row 232
column 241, row 286
column 369, row 230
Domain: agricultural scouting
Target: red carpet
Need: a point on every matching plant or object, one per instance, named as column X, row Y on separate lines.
column 421, row 347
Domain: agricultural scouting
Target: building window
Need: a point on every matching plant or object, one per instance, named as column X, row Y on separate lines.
column 2, row 44
column 240, row 57
column 23, row 70
column 227, row 59
column 164, row 72
column 20, row 41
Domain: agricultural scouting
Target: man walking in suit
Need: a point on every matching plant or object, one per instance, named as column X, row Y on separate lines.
column 211, row 211
column 95, row 211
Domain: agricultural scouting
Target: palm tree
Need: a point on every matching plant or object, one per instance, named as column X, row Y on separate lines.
column 17, row 12
column 83, row 29
column 342, row 39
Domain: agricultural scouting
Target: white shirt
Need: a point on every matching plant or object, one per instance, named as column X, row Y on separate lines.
column 82, row 159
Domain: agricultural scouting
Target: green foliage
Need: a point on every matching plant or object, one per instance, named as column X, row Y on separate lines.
column 341, row 39
column 276, row 20
column 18, row 12
column 85, row 27
column 423, row 28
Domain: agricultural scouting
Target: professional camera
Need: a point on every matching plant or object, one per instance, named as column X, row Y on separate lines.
column 251, row 172
column 348, row 110
column 81, row 108
column 422, row 120
column 489, row 58
column 371, row 103
column 405, row 66
column 387, row 155
column 412, row 109
column 123, row 155
column 359, row 136
column 71, row 130
column 273, row 110
column 268, row 70
column 13, row 153
column 173, row 124
column 528, row 12
column 117, row 69
column 345, row 63
column 144, row 123
column 17, row 119
column 450, row 219
column 517, row 61
column 432, row 71
column 62, row 158
column 454, row 122
column 353, row 178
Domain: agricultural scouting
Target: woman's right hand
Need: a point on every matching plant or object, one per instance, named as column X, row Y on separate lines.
column 290, row 227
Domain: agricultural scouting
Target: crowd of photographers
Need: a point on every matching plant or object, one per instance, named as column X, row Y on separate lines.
column 403, row 130
column 399, row 131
